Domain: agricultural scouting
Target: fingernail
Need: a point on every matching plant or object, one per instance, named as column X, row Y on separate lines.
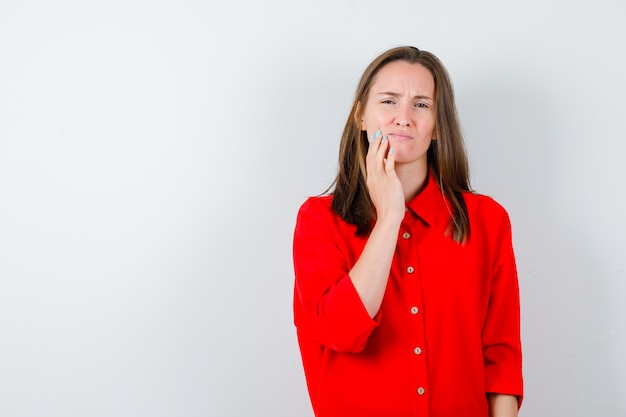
column 390, row 151
column 384, row 139
column 376, row 135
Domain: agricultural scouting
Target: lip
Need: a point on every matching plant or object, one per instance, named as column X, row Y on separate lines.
column 399, row 136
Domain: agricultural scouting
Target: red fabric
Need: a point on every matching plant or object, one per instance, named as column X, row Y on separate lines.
column 447, row 333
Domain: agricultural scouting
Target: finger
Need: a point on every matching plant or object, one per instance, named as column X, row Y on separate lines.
column 374, row 146
column 376, row 160
column 376, row 135
column 381, row 154
column 390, row 162
column 374, row 139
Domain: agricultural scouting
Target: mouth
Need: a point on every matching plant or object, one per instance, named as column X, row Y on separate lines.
column 399, row 136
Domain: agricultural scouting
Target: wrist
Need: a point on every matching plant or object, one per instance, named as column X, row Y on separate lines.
column 389, row 221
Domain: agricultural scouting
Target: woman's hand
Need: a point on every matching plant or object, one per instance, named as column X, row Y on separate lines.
column 370, row 273
column 383, row 184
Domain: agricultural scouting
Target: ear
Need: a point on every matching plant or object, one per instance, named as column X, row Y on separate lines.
column 357, row 116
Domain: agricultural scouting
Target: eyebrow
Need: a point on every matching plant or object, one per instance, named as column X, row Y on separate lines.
column 392, row 94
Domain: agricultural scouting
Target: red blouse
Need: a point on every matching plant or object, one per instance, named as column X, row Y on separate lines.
column 448, row 328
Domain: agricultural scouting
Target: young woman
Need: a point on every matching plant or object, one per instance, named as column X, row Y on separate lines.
column 406, row 295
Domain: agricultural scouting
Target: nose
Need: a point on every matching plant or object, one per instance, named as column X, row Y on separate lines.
column 403, row 116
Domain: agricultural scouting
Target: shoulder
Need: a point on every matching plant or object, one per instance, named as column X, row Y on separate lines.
column 484, row 210
column 316, row 215
column 316, row 210
column 484, row 204
column 318, row 206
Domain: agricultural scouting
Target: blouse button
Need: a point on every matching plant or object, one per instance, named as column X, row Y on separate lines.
column 414, row 310
column 417, row 350
column 410, row 270
column 421, row 390
column 406, row 235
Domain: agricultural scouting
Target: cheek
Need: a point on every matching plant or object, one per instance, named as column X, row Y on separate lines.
column 427, row 124
column 377, row 119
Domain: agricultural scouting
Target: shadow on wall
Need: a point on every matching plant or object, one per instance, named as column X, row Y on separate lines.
column 516, row 147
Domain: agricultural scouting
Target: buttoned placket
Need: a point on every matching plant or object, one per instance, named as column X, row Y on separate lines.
column 413, row 298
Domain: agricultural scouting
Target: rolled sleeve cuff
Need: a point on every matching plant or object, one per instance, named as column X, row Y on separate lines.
column 345, row 318
column 504, row 379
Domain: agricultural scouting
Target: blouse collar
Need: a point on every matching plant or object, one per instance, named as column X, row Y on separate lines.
column 430, row 205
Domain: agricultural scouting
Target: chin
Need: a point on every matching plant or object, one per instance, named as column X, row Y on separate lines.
column 406, row 159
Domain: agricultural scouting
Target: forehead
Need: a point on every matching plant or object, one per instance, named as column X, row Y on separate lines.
column 401, row 76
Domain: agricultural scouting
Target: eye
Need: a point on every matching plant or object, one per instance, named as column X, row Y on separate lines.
column 387, row 101
column 421, row 105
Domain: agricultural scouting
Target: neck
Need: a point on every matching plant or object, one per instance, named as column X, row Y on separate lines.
column 413, row 178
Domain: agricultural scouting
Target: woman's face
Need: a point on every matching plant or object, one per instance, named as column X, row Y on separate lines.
column 401, row 105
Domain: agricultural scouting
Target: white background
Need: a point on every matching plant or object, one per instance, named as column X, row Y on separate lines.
column 153, row 155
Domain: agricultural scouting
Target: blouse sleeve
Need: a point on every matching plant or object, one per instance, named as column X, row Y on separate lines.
column 327, row 307
column 502, row 349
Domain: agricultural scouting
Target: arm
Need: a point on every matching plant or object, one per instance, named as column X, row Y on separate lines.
column 335, row 302
column 370, row 273
column 502, row 351
column 502, row 405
